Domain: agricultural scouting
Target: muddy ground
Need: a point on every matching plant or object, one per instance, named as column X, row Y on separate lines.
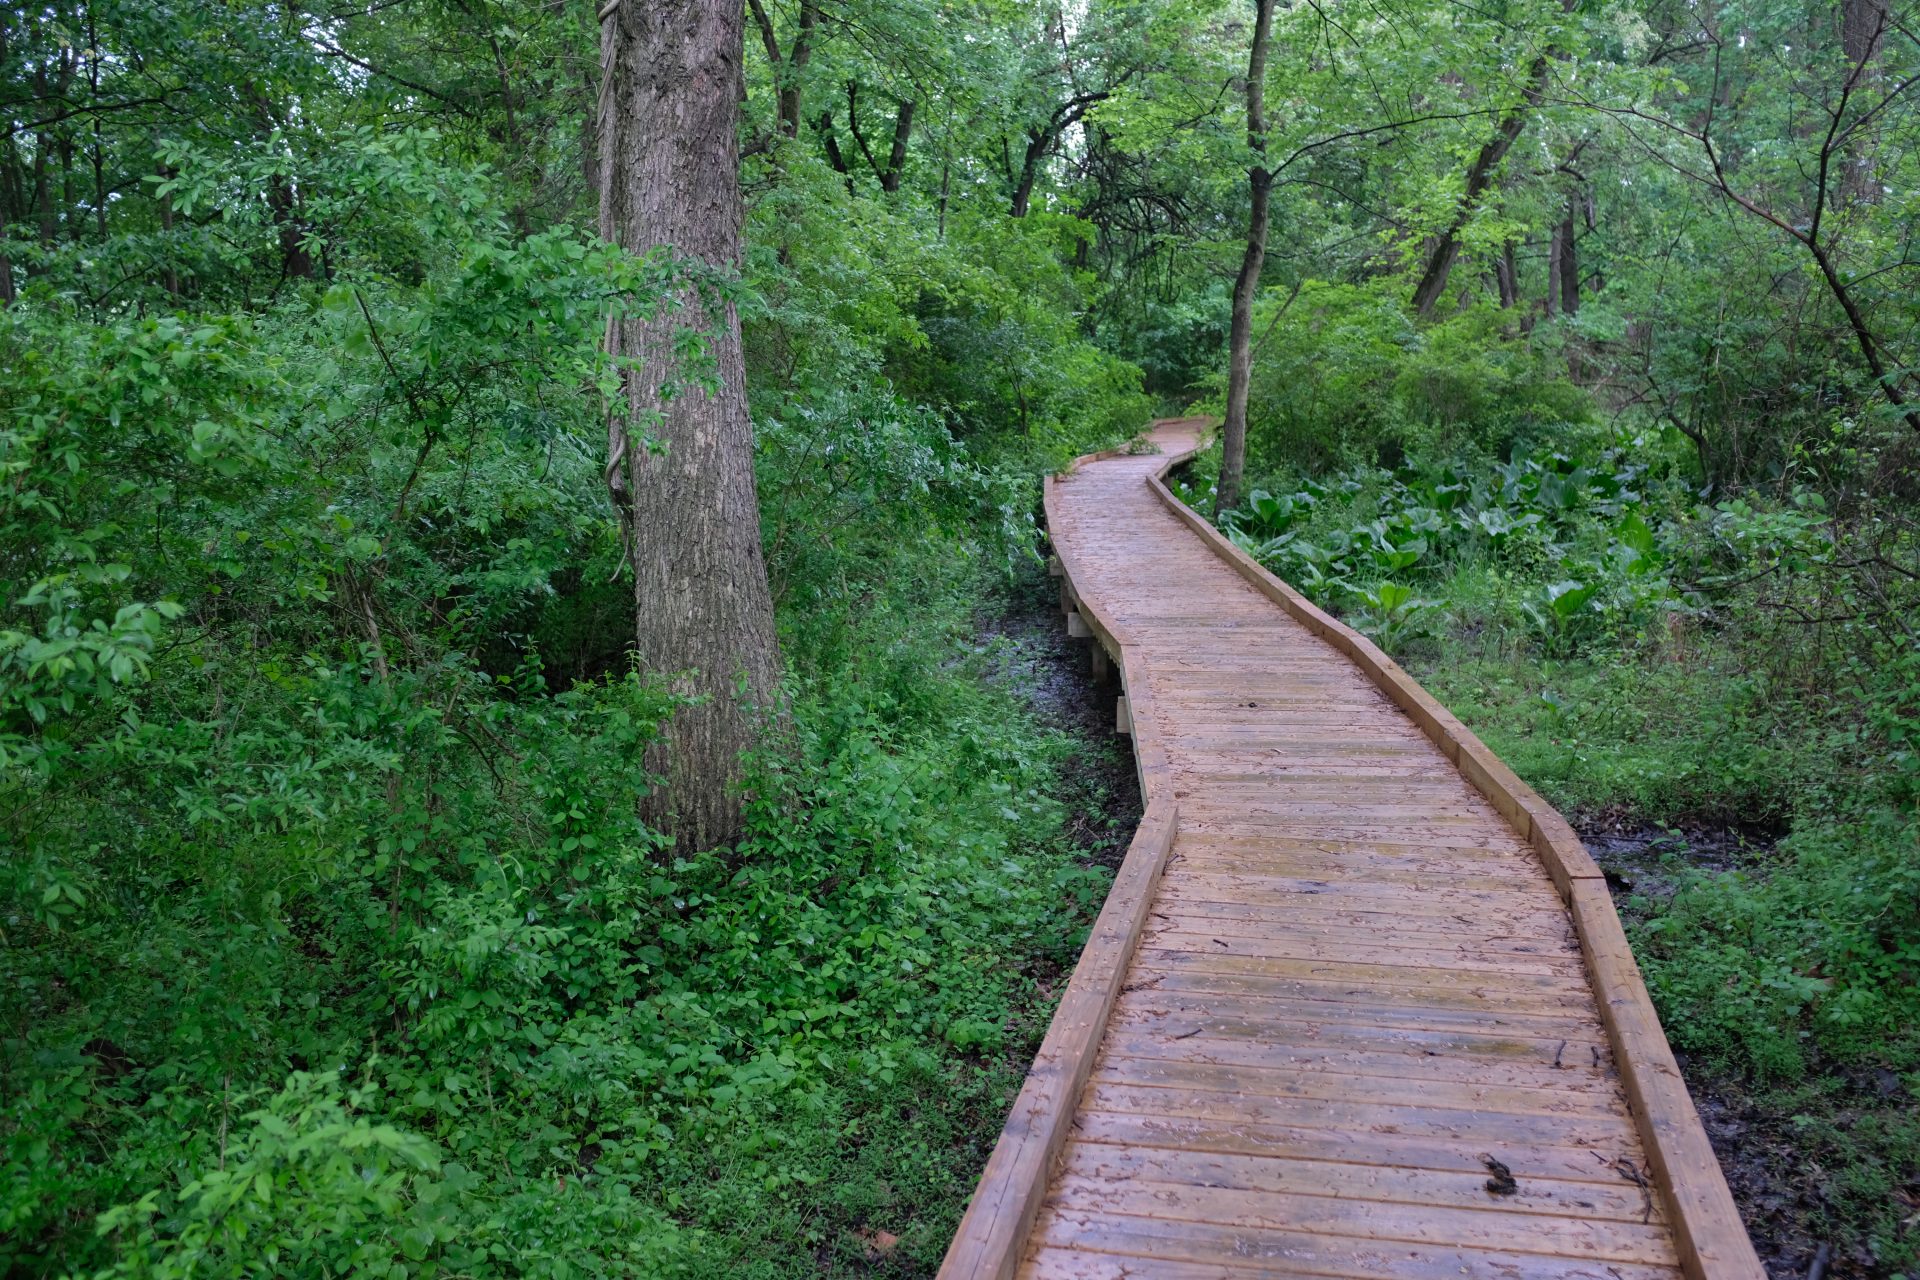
column 1054, row 677
column 1778, row 1165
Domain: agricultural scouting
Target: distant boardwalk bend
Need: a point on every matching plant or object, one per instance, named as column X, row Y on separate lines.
column 1358, row 1004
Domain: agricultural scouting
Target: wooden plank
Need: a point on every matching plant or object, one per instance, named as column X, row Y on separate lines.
column 1437, row 893
column 1375, row 1054
column 1361, row 1121
column 1392, row 1151
column 994, row 1230
column 1383, row 1002
column 1378, row 914
column 1279, row 1081
column 1280, row 972
column 1232, row 920
column 1565, row 858
column 1494, row 1227
column 1285, row 758
column 1708, row 1231
column 1210, row 1000
column 1461, row 836
column 1405, row 875
column 1050, row 1263
column 1280, row 1251
column 1460, row 958
column 1361, row 858
column 1616, row 1201
column 1487, row 877
column 1207, row 803
column 1399, row 791
column 1404, row 848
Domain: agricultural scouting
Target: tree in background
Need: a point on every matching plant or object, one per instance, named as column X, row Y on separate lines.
column 681, row 468
column 1233, row 433
column 321, row 755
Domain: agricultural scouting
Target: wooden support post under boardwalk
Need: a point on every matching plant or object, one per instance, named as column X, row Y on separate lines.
column 1122, row 722
column 1373, row 1016
column 1102, row 665
column 1077, row 628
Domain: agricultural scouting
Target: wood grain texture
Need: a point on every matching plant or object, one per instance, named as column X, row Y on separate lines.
column 669, row 175
column 1359, row 970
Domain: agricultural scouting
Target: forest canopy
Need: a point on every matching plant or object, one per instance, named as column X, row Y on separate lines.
column 342, row 926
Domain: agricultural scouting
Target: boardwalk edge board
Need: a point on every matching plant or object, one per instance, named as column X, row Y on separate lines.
column 1711, row 1238
column 993, row 1237
column 994, row 1232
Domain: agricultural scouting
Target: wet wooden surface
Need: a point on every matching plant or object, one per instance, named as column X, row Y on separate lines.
column 1358, row 990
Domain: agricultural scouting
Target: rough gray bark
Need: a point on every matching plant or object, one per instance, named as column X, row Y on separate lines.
column 669, row 165
column 1863, row 25
column 1233, row 433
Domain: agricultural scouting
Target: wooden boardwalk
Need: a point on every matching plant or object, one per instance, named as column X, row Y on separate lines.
column 1358, row 1004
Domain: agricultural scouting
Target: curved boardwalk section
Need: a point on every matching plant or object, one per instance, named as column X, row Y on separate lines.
column 1358, row 1004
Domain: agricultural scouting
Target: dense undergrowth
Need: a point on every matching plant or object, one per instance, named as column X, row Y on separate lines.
column 1641, row 648
column 331, row 941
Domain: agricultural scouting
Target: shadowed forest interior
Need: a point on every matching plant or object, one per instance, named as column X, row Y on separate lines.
column 530, row 737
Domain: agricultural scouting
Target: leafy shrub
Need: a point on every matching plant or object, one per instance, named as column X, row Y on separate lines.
column 1533, row 514
column 332, row 938
column 1629, row 645
column 1816, row 953
column 1345, row 377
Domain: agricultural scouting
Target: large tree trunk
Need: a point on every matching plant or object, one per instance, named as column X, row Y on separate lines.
column 43, row 190
column 1233, row 433
column 824, row 127
column 283, row 201
column 1863, row 26
column 897, row 158
column 11, row 188
column 1037, row 145
column 295, row 261
column 1553, row 270
column 669, row 164
column 1486, row 165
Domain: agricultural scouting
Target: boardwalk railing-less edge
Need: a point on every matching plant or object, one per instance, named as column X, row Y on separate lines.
column 1416, row 1042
